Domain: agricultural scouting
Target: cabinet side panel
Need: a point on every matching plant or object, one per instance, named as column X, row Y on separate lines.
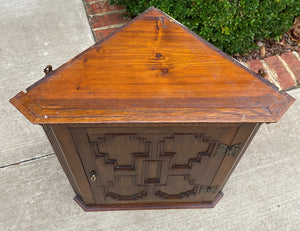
column 71, row 158
column 243, row 136
column 251, row 134
column 60, row 156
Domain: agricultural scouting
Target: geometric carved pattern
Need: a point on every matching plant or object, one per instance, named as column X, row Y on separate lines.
column 183, row 151
column 152, row 170
column 171, row 192
column 176, row 196
column 189, row 145
column 113, row 145
column 126, row 198
column 131, row 167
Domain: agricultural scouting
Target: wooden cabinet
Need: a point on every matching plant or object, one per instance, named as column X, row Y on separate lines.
column 150, row 166
column 151, row 117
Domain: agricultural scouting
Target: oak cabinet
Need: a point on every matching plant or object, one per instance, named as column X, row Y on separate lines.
column 151, row 117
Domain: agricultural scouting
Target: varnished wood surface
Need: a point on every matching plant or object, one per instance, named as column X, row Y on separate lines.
column 152, row 70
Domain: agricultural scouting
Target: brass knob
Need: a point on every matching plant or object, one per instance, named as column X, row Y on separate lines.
column 262, row 72
column 47, row 69
column 93, row 176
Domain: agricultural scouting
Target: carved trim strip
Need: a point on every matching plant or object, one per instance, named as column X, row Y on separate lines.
column 119, row 197
column 176, row 196
column 208, row 189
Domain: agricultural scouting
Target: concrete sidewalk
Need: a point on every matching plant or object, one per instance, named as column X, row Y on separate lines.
column 263, row 193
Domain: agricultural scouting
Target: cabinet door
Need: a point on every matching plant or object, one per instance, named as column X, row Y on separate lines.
column 140, row 165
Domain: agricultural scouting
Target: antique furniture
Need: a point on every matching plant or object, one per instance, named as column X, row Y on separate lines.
column 152, row 116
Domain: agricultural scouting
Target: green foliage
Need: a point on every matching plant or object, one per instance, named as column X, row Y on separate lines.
column 231, row 25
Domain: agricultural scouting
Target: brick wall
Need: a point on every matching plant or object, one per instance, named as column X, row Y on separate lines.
column 104, row 18
column 283, row 71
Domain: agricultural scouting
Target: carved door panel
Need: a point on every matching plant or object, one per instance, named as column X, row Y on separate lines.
column 151, row 165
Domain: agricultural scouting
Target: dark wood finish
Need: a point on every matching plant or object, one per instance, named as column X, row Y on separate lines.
column 149, row 167
column 151, row 164
column 252, row 132
column 125, row 77
column 151, row 117
column 72, row 160
column 244, row 135
column 60, row 156
column 144, row 206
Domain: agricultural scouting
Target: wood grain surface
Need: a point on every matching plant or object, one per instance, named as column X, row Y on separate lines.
column 155, row 70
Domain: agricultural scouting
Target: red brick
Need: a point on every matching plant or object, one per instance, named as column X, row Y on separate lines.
column 107, row 20
column 293, row 63
column 100, row 34
column 284, row 77
column 255, row 65
column 102, row 7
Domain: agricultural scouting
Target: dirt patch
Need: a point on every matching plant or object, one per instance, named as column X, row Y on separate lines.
column 289, row 41
column 271, row 47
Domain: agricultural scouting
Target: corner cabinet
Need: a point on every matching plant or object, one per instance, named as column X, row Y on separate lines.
column 147, row 166
column 153, row 116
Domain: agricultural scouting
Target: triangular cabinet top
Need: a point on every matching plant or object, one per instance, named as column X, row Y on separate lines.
column 152, row 70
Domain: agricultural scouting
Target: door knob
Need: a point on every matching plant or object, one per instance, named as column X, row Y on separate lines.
column 93, row 176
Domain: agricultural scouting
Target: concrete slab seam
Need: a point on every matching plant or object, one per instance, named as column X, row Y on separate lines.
column 28, row 160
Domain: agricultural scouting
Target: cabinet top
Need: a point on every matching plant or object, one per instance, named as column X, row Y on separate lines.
column 152, row 70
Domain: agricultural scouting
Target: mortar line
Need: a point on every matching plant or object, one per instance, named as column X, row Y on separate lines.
column 297, row 55
column 107, row 13
column 288, row 69
column 109, row 27
column 90, row 3
column 272, row 75
column 28, row 160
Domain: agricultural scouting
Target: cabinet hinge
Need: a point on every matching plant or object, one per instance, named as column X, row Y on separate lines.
column 224, row 149
column 208, row 189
